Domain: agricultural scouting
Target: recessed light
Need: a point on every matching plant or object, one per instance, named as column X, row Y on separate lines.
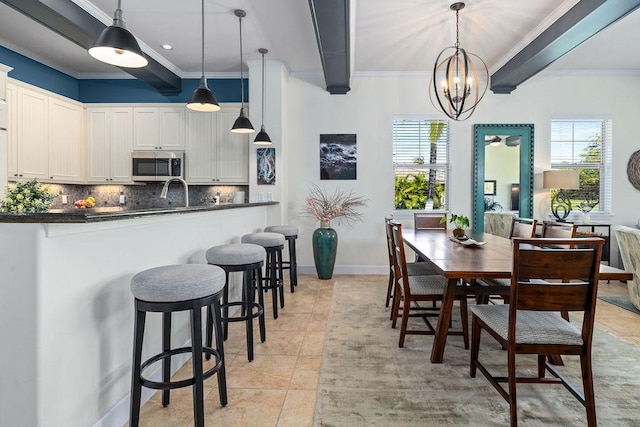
column 167, row 46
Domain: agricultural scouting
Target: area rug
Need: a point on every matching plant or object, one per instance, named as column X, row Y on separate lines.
column 366, row 380
column 622, row 302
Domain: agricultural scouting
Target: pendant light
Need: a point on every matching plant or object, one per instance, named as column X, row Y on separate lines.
column 242, row 123
column 457, row 83
column 262, row 138
column 117, row 46
column 202, row 99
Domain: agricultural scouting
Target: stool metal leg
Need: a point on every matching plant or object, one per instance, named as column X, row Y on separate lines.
column 293, row 264
column 261, row 321
column 247, row 309
column 196, row 359
column 222, row 376
column 166, row 363
column 225, row 307
column 271, row 257
column 280, row 277
column 136, row 386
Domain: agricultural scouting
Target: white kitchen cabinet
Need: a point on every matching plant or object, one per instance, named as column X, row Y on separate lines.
column 109, row 144
column 159, row 128
column 66, row 142
column 213, row 154
column 4, row 69
column 29, row 138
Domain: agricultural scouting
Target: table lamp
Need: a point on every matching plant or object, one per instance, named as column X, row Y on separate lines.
column 561, row 179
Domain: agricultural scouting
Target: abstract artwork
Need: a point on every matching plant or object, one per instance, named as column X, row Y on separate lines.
column 266, row 166
column 338, row 156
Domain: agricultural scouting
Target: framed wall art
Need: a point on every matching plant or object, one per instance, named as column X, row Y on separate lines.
column 266, row 158
column 338, row 156
column 490, row 188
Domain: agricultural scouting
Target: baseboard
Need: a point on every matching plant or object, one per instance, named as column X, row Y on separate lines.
column 348, row 269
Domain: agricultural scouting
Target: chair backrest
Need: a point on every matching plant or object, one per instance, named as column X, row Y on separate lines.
column 429, row 221
column 390, row 248
column 498, row 223
column 523, row 227
column 629, row 244
column 547, row 275
column 560, row 230
column 400, row 259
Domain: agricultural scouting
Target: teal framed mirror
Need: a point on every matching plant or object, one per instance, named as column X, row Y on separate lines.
column 515, row 141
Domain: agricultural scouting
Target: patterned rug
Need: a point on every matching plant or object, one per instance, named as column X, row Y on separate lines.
column 366, row 380
column 622, row 302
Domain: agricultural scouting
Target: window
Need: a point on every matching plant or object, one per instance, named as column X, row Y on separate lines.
column 420, row 163
column 585, row 145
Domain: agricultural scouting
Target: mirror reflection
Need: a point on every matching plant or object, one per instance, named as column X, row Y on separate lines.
column 503, row 170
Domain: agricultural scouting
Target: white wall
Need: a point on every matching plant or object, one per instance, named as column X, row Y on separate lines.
column 368, row 109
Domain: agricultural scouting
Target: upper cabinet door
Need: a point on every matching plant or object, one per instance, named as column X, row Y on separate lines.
column 66, row 144
column 200, row 148
column 121, row 129
column 233, row 150
column 33, row 135
column 146, row 128
column 172, row 128
column 158, row 128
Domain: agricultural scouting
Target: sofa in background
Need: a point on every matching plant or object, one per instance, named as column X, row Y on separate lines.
column 629, row 244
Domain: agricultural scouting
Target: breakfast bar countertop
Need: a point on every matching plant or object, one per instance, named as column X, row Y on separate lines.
column 113, row 213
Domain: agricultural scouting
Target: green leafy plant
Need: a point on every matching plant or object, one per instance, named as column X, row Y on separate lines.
column 491, row 205
column 411, row 192
column 27, row 197
column 460, row 221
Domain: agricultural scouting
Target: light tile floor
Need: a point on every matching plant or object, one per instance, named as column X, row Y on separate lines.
column 279, row 387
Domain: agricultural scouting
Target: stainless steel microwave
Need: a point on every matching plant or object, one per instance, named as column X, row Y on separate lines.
column 157, row 165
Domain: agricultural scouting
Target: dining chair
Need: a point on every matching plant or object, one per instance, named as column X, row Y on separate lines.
column 413, row 268
column 429, row 221
column 545, row 280
column 412, row 290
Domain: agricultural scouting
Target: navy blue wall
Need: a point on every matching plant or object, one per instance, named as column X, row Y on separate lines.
column 37, row 74
column 110, row 90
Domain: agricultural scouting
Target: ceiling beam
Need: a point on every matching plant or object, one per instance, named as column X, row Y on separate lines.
column 331, row 23
column 79, row 26
column 585, row 19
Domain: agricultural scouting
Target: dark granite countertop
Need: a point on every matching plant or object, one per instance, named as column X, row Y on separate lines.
column 114, row 213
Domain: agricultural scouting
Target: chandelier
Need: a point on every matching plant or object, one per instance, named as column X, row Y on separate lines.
column 457, row 83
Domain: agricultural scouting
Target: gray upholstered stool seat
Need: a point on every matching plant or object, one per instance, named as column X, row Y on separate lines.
column 247, row 258
column 169, row 289
column 285, row 230
column 290, row 233
column 173, row 283
column 264, row 239
column 235, row 254
column 273, row 244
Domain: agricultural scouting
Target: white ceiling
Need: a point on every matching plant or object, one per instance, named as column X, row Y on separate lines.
column 399, row 36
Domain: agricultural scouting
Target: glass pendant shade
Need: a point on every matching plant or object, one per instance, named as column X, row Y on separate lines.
column 202, row 99
column 262, row 138
column 242, row 123
column 117, row 46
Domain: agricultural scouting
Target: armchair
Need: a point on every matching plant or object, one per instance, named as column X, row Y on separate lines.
column 629, row 243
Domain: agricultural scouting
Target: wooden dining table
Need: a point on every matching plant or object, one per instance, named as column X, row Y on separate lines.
column 455, row 261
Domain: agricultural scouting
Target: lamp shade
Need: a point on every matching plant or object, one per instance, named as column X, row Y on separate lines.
column 202, row 99
column 117, row 46
column 242, row 124
column 566, row 179
column 262, row 138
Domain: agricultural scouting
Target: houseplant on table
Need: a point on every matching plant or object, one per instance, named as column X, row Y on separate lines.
column 325, row 207
column 460, row 221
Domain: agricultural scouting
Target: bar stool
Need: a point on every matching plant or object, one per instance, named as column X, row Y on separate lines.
column 273, row 243
column 165, row 290
column 249, row 259
column 290, row 233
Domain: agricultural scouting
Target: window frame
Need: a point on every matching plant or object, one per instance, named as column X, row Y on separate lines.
column 605, row 166
column 441, row 167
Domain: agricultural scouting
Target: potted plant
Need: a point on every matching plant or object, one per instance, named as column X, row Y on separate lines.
column 460, row 221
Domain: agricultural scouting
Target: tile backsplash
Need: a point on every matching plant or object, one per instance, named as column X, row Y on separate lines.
column 144, row 195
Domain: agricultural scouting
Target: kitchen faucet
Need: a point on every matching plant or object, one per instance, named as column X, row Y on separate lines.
column 165, row 189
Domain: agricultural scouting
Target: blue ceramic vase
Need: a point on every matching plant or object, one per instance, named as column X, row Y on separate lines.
column 325, row 245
